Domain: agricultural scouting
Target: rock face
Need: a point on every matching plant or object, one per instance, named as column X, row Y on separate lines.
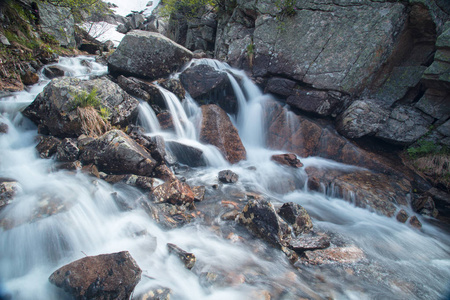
column 147, row 55
column 217, row 130
column 116, row 153
column 106, row 276
column 55, row 112
column 57, row 22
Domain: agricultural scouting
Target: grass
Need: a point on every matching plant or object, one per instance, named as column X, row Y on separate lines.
column 91, row 122
column 84, row 99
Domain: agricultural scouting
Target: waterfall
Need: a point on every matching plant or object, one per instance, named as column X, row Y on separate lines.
column 59, row 216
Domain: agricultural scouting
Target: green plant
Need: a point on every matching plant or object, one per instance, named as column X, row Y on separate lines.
column 286, row 9
column 423, row 147
column 81, row 8
column 104, row 113
column 189, row 8
column 84, row 99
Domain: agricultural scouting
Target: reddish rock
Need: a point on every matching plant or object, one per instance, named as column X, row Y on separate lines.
column 106, row 276
column 217, row 130
column 414, row 222
column 29, row 78
column 174, row 192
column 402, row 216
column 342, row 255
column 199, row 192
column 165, row 121
column 289, row 159
column 47, row 146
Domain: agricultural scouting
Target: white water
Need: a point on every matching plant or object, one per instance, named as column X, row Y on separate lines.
column 402, row 263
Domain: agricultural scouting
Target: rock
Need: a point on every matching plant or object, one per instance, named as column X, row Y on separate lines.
column 228, row 176
column 157, row 293
column 435, row 103
column 47, row 146
column 414, row 222
column 321, row 103
column 57, row 101
column 174, row 86
column 116, row 153
column 53, row 72
column 144, row 183
column 361, row 118
column 261, row 219
column 106, row 276
column 165, row 121
column 187, row 258
column 309, row 243
column 230, row 216
column 174, row 192
column 3, row 127
column 441, row 200
column 295, row 215
column 217, row 130
column 91, row 48
column 203, row 80
column 8, row 189
column 4, row 40
column 404, row 126
column 142, row 90
column 424, row 205
column 375, row 191
column 67, row 151
column 147, row 55
column 290, row 160
column 402, row 216
column 163, row 172
column 186, row 154
column 58, row 22
column 29, row 77
column 199, row 192
column 341, row 255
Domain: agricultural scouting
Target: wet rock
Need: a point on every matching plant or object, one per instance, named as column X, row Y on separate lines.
column 53, row 72
column 3, row 127
column 165, row 173
column 47, row 146
column 147, row 55
column 295, row 215
column 8, row 189
column 424, row 205
column 116, row 153
column 186, row 154
column 217, row 130
column 309, row 243
column 230, row 216
column 187, row 258
column 157, row 293
column 435, row 103
column 67, row 150
column 54, row 109
column 289, row 159
column 106, row 276
column 199, row 192
column 166, row 121
column 361, row 118
column 174, row 192
column 414, row 222
column 142, row 90
column 437, row 75
column 441, row 200
column 375, row 191
column 261, row 219
column 142, row 182
column 228, row 176
column 29, row 77
column 402, row 216
column 175, row 86
column 341, row 255
column 203, row 80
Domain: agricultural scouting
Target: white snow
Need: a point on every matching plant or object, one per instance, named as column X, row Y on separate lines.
column 125, row 7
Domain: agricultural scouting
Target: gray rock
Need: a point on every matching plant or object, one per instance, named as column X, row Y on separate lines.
column 67, row 150
column 295, row 215
column 53, row 72
column 106, row 276
column 148, row 55
column 47, row 146
column 4, row 40
column 116, row 153
column 445, row 129
column 136, row 20
column 57, row 22
column 186, row 154
column 404, row 126
column 203, row 80
column 435, row 103
column 309, row 243
column 3, row 127
column 228, row 176
column 8, row 189
column 54, row 109
column 187, row 258
column 361, row 118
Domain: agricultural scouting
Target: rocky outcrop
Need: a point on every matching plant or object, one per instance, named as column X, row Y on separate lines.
column 147, row 55
column 116, row 153
column 106, row 276
column 55, row 110
column 57, row 22
column 217, row 130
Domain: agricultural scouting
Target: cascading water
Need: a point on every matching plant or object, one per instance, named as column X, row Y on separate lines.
column 60, row 216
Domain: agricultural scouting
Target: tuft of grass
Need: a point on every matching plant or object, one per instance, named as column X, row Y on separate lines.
column 104, row 113
column 84, row 99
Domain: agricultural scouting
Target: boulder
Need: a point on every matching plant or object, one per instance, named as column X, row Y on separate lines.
column 186, row 154
column 199, row 192
column 147, row 55
column 295, row 215
column 54, row 109
column 29, row 77
column 174, row 85
column 414, row 222
column 116, row 153
column 53, row 72
column 288, row 159
column 141, row 90
column 47, row 146
column 144, row 183
column 58, row 22
column 228, row 176
column 361, row 118
column 3, row 127
column 217, row 130
column 106, row 276
column 187, row 258
column 435, row 104
column 402, row 216
column 157, row 293
column 8, row 189
column 173, row 191
column 67, row 150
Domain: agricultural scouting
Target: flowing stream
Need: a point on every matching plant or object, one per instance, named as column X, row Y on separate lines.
column 60, row 216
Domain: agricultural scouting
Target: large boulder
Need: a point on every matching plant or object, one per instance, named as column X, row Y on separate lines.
column 55, row 111
column 106, row 276
column 58, row 22
column 217, row 130
column 116, row 153
column 147, row 55
column 186, row 154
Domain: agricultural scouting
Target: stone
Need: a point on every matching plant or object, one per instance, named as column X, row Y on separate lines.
column 3, row 127
column 199, row 193
column 437, row 75
column 147, row 55
column 47, row 146
column 361, row 118
column 424, row 205
column 402, row 216
column 441, row 200
column 187, row 258
column 116, row 153
column 4, row 40
column 157, row 293
column 174, row 85
column 318, row 102
column 142, row 90
column 106, row 276
column 54, row 108
column 203, row 80
column 336, row 255
column 53, row 72
column 414, row 222
column 404, row 126
column 435, row 103
column 217, row 130
column 174, row 192
column 165, row 121
column 228, row 176
column 29, row 77
column 309, row 243
column 288, row 159
column 186, row 154
column 67, row 151
column 144, row 183
column 57, row 22
column 295, row 215
column 8, row 189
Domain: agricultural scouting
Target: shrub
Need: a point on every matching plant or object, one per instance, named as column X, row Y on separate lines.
column 84, row 99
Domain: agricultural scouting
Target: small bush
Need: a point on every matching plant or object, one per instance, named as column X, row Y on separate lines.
column 85, row 99
column 422, row 148
column 104, row 113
